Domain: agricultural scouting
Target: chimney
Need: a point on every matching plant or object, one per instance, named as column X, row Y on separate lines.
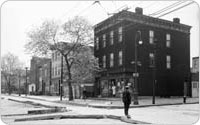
column 138, row 10
column 176, row 20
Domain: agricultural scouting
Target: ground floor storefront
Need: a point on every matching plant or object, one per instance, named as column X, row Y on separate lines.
column 112, row 85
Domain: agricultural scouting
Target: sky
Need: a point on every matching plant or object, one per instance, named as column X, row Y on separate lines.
column 18, row 17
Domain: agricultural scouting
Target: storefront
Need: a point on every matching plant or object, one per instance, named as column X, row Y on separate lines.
column 114, row 86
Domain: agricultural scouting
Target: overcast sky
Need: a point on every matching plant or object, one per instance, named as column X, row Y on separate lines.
column 18, row 16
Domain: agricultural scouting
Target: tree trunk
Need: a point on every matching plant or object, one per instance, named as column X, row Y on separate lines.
column 69, row 80
column 9, row 87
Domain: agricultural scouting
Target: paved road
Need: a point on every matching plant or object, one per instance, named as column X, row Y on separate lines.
column 11, row 110
column 173, row 114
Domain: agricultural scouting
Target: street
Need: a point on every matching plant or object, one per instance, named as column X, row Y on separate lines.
column 172, row 114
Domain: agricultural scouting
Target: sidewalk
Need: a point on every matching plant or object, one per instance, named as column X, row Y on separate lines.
column 114, row 102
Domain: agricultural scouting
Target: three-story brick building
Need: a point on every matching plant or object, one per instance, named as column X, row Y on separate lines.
column 163, row 56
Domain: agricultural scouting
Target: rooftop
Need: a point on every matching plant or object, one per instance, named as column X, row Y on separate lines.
column 138, row 17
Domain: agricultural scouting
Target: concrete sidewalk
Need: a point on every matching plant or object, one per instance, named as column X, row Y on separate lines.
column 114, row 103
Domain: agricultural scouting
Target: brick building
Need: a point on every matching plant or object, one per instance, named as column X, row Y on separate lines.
column 40, row 74
column 162, row 56
column 56, row 72
column 195, row 77
column 76, row 84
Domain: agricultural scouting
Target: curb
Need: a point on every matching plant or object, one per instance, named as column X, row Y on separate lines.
column 121, row 107
column 108, row 107
column 35, row 104
column 121, row 118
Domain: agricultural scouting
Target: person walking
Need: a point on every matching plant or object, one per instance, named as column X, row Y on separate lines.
column 113, row 90
column 126, row 97
column 84, row 93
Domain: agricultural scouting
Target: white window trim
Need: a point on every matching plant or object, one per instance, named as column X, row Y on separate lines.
column 120, row 58
column 168, row 62
column 120, row 31
column 111, row 59
column 151, row 36
column 111, row 37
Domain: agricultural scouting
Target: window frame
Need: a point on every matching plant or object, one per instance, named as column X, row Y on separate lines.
column 152, row 59
column 168, row 62
column 104, row 40
column 151, row 36
column 120, row 56
column 120, row 32
column 104, row 61
column 111, row 59
column 168, row 40
column 111, row 37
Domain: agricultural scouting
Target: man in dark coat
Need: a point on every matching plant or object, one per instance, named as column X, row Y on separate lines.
column 126, row 100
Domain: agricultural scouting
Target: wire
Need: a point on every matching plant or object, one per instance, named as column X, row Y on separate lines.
column 102, row 7
column 151, row 4
column 176, row 9
column 167, row 8
column 87, row 7
column 72, row 8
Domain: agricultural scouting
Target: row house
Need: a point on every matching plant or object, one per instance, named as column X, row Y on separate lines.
column 40, row 72
column 57, row 60
column 18, row 81
column 163, row 53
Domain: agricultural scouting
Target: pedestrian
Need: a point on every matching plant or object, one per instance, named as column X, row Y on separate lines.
column 84, row 92
column 113, row 90
column 126, row 97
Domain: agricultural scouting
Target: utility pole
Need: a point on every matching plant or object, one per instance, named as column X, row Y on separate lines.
column 136, row 74
column 26, row 86
column 61, row 77
column 19, row 85
column 154, row 75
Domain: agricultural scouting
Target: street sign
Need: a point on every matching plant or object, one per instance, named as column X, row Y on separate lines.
column 136, row 74
column 138, row 63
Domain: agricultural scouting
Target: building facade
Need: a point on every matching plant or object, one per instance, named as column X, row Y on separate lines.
column 161, row 48
column 195, row 77
column 18, row 81
column 56, row 72
column 77, row 83
column 40, row 75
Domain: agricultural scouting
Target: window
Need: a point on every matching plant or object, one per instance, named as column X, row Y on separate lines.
column 120, row 57
column 45, row 72
column 195, row 85
column 151, row 36
column 59, row 71
column 120, row 34
column 111, row 60
column 168, row 40
column 168, row 62
column 111, row 37
column 56, row 71
column 104, row 40
column 152, row 59
column 52, row 71
column 97, row 43
column 104, row 61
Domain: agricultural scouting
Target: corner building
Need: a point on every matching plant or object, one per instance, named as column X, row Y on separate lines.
column 162, row 56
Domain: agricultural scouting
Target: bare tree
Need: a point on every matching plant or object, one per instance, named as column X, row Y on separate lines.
column 9, row 66
column 86, row 66
column 68, row 39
